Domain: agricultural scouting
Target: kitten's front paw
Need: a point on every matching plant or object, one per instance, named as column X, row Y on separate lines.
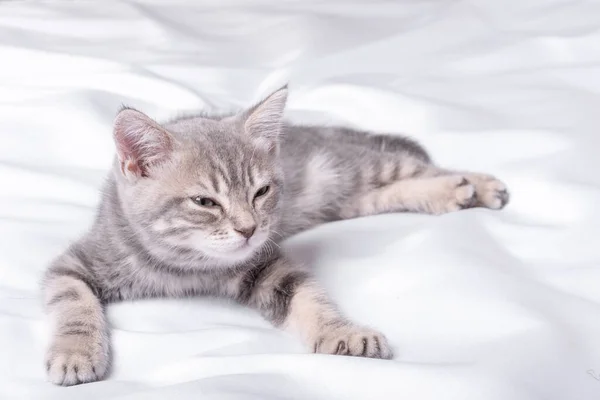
column 75, row 360
column 353, row 340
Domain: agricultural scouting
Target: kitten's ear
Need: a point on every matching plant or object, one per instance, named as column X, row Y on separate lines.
column 263, row 122
column 141, row 143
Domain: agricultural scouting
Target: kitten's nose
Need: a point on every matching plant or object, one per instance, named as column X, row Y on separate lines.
column 247, row 231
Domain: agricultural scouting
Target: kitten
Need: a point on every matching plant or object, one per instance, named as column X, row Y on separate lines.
column 193, row 207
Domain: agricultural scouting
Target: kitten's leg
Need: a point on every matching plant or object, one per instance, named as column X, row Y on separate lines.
column 79, row 348
column 287, row 295
column 411, row 161
column 430, row 195
column 397, row 157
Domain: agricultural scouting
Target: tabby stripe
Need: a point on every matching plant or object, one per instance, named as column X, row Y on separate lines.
column 250, row 175
column 336, row 323
column 374, row 179
column 77, row 328
column 365, row 344
column 420, row 169
column 77, row 324
column 69, row 294
column 218, row 168
column 216, row 186
column 279, row 303
column 253, row 278
column 395, row 175
column 200, row 217
column 238, row 169
column 377, row 346
column 75, row 332
column 379, row 141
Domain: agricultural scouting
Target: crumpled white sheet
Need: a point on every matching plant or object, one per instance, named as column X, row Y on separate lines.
column 477, row 304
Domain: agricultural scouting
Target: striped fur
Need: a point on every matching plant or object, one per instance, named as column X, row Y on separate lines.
column 197, row 206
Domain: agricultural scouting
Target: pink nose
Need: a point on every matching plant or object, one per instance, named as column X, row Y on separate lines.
column 246, row 232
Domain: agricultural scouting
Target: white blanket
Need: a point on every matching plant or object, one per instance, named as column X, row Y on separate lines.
column 478, row 304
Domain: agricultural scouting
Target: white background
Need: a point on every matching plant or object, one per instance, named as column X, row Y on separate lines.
column 477, row 304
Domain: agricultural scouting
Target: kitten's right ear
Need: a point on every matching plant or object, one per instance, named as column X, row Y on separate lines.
column 141, row 143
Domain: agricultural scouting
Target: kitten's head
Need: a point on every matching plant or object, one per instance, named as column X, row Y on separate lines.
column 207, row 185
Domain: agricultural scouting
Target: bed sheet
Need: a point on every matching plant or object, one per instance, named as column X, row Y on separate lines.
column 477, row 304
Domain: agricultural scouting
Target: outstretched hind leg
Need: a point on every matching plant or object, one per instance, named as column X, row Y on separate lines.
column 436, row 195
column 429, row 195
column 398, row 175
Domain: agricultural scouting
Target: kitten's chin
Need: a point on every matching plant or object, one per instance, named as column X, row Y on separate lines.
column 237, row 256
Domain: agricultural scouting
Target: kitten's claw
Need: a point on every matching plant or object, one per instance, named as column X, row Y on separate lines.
column 352, row 340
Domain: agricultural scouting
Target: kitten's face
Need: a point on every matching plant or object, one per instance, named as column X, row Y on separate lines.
column 203, row 186
column 220, row 199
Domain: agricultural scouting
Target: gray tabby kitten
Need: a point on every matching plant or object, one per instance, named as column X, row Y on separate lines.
column 194, row 207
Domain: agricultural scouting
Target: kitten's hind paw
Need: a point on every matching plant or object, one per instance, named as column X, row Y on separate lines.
column 353, row 340
column 491, row 192
column 495, row 195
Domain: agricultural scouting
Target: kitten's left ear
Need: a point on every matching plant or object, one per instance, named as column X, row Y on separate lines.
column 263, row 122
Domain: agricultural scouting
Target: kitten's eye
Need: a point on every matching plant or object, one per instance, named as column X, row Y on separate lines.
column 262, row 191
column 205, row 201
